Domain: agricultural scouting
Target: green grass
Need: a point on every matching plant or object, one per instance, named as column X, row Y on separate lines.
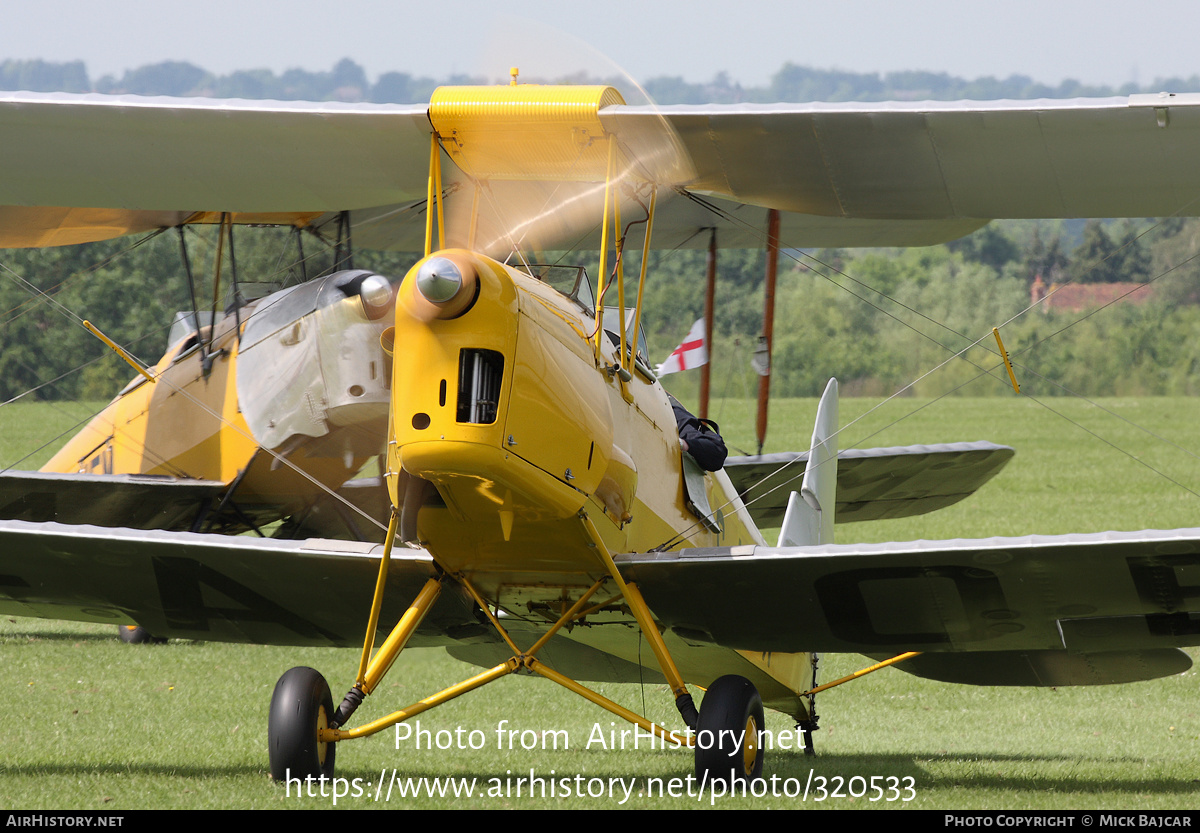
column 33, row 431
column 94, row 723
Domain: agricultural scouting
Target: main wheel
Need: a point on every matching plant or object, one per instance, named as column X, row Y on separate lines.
column 300, row 707
column 728, row 733
column 137, row 635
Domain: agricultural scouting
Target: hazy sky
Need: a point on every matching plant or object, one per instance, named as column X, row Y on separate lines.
column 1093, row 41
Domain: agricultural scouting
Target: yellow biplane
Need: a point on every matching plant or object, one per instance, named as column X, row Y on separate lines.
column 541, row 516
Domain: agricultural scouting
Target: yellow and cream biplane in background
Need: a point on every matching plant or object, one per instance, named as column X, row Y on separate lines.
column 540, row 515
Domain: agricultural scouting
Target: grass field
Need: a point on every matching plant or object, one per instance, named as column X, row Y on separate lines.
column 93, row 723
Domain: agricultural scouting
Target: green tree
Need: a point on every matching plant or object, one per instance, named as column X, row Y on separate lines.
column 177, row 78
column 44, row 76
column 991, row 246
column 402, row 88
column 1131, row 261
column 1176, row 258
column 1045, row 260
column 1093, row 260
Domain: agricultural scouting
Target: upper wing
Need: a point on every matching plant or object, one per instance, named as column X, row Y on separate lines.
column 936, row 160
column 195, row 154
column 81, row 167
column 86, row 167
column 872, row 483
column 917, row 173
column 1041, row 610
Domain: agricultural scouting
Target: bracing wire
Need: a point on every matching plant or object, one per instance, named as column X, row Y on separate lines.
column 46, row 297
column 992, row 371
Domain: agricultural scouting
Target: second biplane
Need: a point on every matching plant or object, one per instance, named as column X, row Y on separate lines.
column 532, row 463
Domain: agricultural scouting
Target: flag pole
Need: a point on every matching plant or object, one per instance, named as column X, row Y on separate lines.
column 764, row 381
column 709, row 295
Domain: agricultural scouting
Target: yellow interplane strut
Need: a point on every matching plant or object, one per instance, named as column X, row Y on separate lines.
column 1012, row 377
column 116, row 348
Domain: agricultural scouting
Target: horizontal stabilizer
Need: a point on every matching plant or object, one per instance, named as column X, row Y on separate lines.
column 1135, row 593
column 873, row 483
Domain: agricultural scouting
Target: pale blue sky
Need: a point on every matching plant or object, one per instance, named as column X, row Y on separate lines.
column 1094, row 42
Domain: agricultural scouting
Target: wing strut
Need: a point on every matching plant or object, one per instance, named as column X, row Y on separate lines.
column 862, row 672
column 343, row 253
column 233, row 278
column 118, row 349
column 187, row 268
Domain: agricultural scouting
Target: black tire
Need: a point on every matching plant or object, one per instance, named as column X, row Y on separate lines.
column 137, row 635
column 729, row 732
column 300, row 707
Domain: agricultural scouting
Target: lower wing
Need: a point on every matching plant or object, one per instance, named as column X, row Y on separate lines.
column 1041, row 610
column 217, row 587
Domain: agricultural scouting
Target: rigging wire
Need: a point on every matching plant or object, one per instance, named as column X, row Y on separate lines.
column 982, row 341
column 983, row 371
column 33, row 301
column 281, row 459
column 961, row 353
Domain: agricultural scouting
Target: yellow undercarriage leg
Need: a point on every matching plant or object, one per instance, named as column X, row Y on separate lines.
column 382, row 661
column 372, row 669
column 391, row 648
column 861, row 672
column 400, row 635
column 444, row 696
column 604, row 703
column 377, row 599
column 531, row 663
column 641, row 613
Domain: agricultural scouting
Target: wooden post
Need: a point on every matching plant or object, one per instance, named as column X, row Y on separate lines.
column 709, row 305
column 764, row 381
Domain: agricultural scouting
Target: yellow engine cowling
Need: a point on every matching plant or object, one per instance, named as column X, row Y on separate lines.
column 503, row 405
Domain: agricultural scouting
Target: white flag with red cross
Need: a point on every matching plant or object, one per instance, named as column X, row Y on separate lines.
column 693, row 352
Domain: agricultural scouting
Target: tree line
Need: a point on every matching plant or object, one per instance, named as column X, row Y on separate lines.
column 347, row 81
column 875, row 318
column 920, row 320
